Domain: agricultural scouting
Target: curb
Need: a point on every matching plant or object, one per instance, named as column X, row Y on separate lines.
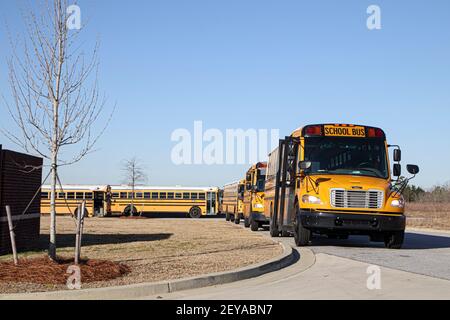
column 136, row 291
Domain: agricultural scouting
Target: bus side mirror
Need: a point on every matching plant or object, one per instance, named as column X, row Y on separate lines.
column 397, row 170
column 397, row 155
column 304, row 165
column 412, row 169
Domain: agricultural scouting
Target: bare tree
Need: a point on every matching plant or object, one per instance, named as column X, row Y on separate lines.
column 133, row 175
column 55, row 97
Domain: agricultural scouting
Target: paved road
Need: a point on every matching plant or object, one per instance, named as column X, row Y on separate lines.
column 339, row 271
column 423, row 252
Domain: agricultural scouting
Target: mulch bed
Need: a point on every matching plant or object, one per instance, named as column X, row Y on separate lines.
column 45, row 271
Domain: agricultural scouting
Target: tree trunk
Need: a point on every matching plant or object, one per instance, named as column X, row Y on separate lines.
column 52, row 244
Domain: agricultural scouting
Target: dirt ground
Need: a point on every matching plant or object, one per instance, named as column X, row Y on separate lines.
column 428, row 215
column 155, row 249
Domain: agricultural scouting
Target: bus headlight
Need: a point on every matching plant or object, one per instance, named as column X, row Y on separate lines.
column 398, row 203
column 311, row 199
column 259, row 206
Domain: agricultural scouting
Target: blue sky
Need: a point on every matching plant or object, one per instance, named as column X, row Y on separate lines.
column 260, row 64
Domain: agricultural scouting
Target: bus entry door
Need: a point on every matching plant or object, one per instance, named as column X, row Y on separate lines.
column 211, row 203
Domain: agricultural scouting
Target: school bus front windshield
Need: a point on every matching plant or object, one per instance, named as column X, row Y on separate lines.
column 347, row 156
column 261, row 179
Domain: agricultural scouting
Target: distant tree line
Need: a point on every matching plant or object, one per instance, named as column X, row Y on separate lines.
column 440, row 193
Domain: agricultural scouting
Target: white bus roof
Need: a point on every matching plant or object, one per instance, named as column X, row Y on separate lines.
column 77, row 187
column 125, row 187
column 232, row 183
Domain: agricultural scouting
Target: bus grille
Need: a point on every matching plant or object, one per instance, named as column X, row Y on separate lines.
column 372, row 199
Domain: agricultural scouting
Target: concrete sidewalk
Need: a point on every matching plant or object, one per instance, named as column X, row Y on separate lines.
column 330, row 277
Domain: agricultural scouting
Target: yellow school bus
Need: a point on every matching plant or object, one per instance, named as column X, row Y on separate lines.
column 195, row 202
column 253, row 212
column 335, row 180
column 232, row 202
column 69, row 197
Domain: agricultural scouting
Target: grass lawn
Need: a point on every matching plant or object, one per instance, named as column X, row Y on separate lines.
column 154, row 249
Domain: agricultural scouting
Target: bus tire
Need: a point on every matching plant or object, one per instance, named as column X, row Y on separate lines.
column 394, row 240
column 86, row 213
column 246, row 222
column 254, row 225
column 130, row 210
column 195, row 213
column 237, row 219
column 302, row 236
column 227, row 217
column 273, row 229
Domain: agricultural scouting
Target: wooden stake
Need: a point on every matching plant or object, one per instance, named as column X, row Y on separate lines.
column 12, row 235
column 77, row 236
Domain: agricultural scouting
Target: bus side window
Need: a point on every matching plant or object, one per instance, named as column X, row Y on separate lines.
column 70, row 195
column 202, row 196
column 130, row 195
column 79, row 195
column 178, row 196
column 155, row 195
column 139, row 195
column 61, row 195
column 194, row 196
column 88, row 195
column 116, row 195
column 163, row 195
column 123, row 195
column 146, row 195
column 186, row 195
column 170, row 195
column 44, row 195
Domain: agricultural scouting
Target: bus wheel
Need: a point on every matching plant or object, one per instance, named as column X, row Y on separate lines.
column 237, row 219
column 254, row 225
column 394, row 240
column 302, row 236
column 273, row 229
column 246, row 222
column 227, row 217
column 86, row 213
column 128, row 212
column 195, row 213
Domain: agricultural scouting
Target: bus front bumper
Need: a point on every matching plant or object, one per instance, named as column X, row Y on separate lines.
column 353, row 223
column 261, row 218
